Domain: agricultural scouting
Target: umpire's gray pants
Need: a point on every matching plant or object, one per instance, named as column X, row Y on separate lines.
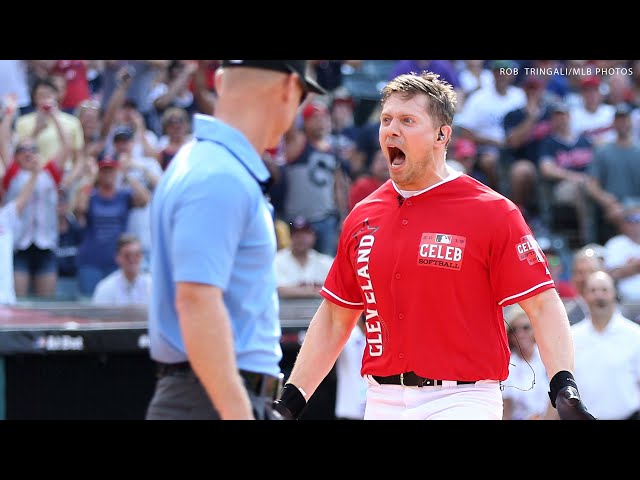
column 180, row 396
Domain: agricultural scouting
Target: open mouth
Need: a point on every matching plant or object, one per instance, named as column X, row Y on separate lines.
column 396, row 156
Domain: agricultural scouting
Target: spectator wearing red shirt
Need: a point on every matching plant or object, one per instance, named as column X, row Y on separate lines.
column 77, row 83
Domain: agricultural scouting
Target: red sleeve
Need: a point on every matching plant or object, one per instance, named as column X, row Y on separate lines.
column 9, row 174
column 518, row 265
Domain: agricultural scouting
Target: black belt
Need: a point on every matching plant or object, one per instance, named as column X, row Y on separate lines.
column 257, row 383
column 411, row 379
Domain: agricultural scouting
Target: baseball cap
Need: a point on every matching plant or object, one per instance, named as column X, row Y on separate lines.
column 122, row 132
column 312, row 108
column 300, row 223
column 286, row 66
column 533, row 82
column 342, row 95
column 108, row 161
column 590, row 82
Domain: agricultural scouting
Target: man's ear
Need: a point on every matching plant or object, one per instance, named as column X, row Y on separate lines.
column 444, row 134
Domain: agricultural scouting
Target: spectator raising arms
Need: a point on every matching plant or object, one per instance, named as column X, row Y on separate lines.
column 9, row 222
column 104, row 211
column 50, row 128
column 35, row 265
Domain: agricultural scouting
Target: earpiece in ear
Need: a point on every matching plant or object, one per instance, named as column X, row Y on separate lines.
column 441, row 135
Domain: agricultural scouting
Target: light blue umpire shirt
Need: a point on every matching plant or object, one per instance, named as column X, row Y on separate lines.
column 212, row 224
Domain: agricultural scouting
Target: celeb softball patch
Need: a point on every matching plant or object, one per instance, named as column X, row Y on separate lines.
column 529, row 250
column 442, row 250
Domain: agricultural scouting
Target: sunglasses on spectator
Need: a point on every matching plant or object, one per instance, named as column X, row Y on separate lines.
column 634, row 218
column 26, row 148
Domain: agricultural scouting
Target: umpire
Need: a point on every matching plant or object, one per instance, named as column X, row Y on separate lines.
column 214, row 321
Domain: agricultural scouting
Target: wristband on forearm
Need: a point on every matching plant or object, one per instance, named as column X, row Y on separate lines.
column 291, row 402
column 560, row 380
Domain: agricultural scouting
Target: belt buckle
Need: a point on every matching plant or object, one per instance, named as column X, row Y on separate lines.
column 428, row 382
column 402, row 380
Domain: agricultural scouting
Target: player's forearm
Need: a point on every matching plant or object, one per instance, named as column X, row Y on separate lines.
column 326, row 336
column 552, row 331
column 209, row 344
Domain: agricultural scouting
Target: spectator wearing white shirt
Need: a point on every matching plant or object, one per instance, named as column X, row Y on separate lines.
column 9, row 222
column 127, row 286
column 351, row 386
column 607, row 354
column 145, row 170
column 525, row 390
column 301, row 270
column 482, row 116
column 593, row 117
column 13, row 81
column 36, row 237
column 473, row 76
column 622, row 253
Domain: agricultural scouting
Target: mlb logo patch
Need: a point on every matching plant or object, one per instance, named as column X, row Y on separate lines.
column 442, row 238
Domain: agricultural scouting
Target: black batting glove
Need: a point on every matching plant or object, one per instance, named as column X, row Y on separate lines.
column 564, row 395
column 291, row 404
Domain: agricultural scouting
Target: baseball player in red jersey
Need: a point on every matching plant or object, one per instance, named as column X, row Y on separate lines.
column 432, row 257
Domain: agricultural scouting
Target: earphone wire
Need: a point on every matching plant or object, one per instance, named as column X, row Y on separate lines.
column 533, row 381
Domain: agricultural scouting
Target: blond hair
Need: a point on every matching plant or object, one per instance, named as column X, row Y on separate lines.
column 442, row 97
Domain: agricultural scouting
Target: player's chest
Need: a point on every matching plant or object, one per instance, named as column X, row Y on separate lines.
column 422, row 241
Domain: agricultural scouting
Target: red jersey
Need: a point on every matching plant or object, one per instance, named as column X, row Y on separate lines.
column 432, row 273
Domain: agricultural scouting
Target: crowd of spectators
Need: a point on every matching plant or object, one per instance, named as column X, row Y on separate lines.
column 560, row 138
column 83, row 144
